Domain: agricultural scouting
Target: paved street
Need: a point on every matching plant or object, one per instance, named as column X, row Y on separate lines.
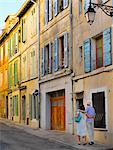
column 16, row 139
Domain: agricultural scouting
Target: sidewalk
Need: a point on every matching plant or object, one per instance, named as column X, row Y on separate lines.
column 61, row 137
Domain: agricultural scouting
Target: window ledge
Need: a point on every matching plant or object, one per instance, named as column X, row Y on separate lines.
column 100, row 129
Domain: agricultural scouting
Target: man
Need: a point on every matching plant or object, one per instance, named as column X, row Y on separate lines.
column 90, row 114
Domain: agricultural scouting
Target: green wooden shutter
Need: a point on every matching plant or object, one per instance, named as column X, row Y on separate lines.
column 9, row 48
column 10, row 75
column 15, row 72
column 13, row 106
column 17, row 105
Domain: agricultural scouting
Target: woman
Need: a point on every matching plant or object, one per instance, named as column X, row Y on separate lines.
column 81, row 126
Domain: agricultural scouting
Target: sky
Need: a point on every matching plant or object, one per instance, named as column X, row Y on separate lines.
column 8, row 7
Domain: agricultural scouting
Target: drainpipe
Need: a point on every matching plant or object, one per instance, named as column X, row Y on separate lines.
column 39, row 61
column 71, row 60
column 71, row 37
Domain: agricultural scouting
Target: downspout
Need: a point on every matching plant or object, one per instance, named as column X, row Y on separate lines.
column 38, row 24
column 71, row 59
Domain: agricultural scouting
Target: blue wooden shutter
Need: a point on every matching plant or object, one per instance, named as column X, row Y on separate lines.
column 86, row 5
column 66, row 50
column 107, row 48
column 50, row 10
column 65, row 4
column 55, row 7
column 50, row 57
column 56, row 54
column 46, row 11
column 87, row 55
column 43, row 61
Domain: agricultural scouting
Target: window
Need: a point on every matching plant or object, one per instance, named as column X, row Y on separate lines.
column 32, row 63
column 15, row 105
column 33, row 106
column 98, row 100
column 24, row 30
column 47, row 59
column 99, row 52
column 15, row 72
column 10, row 75
column 80, row 54
column 24, row 67
column 80, row 7
column 48, row 11
column 34, row 22
column 61, row 51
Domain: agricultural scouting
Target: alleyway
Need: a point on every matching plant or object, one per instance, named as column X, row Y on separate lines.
column 16, row 139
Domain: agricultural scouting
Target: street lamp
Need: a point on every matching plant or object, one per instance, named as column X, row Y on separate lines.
column 90, row 13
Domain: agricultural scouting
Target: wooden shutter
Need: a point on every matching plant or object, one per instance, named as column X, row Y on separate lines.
column 107, row 48
column 43, row 61
column 65, row 4
column 13, row 43
column 50, row 57
column 15, row 72
column 50, row 10
column 66, row 50
column 16, row 105
column 30, row 106
column 46, row 11
column 86, row 5
column 56, row 54
column 9, row 48
column 10, row 75
column 16, row 41
column 55, row 7
column 87, row 55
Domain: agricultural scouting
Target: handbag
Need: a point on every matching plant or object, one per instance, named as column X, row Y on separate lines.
column 77, row 117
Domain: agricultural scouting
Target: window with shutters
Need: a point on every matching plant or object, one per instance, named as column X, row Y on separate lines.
column 3, row 53
column 33, row 22
column 98, row 100
column 33, row 106
column 24, row 67
column 32, row 63
column 15, row 72
column 62, row 4
column 24, row 30
column 10, row 75
column 48, row 11
column 48, row 58
column 80, row 7
column 99, row 52
column 15, row 105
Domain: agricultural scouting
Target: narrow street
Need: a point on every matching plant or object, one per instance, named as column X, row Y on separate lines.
column 16, row 139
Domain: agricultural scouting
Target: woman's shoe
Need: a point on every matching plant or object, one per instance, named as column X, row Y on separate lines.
column 84, row 143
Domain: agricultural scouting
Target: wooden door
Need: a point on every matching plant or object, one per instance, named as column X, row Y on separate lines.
column 58, row 113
